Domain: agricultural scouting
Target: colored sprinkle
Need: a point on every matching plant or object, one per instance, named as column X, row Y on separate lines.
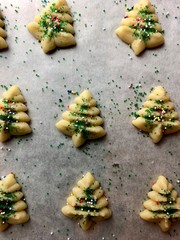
column 72, row 92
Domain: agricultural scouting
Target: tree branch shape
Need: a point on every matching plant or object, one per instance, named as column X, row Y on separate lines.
column 87, row 202
column 158, row 116
column 82, row 121
column 13, row 117
column 3, row 34
column 12, row 207
column 140, row 28
column 162, row 205
column 53, row 28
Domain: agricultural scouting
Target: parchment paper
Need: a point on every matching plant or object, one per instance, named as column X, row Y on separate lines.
column 125, row 161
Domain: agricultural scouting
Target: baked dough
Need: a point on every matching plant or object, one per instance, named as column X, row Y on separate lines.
column 82, row 121
column 3, row 35
column 53, row 28
column 162, row 205
column 13, row 119
column 87, row 202
column 140, row 28
column 158, row 116
column 12, row 207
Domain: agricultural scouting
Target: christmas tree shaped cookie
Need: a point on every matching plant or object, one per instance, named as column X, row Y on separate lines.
column 140, row 28
column 53, row 28
column 3, row 35
column 158, row 116
column 162, row 205
column 87, row 202
column 82, row 121
column 13, row 119
column 12, row 207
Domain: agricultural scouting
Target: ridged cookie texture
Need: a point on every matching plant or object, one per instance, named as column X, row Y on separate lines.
column 12, row 205
column 162, row 205
column 157, row 117
column 53, row 27
column 82, row 121
column 13, row 117
column 3, row 34
column 140, row 28
column 87, row 202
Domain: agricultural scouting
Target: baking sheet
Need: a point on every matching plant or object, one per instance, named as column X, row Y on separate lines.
column 125, row 161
